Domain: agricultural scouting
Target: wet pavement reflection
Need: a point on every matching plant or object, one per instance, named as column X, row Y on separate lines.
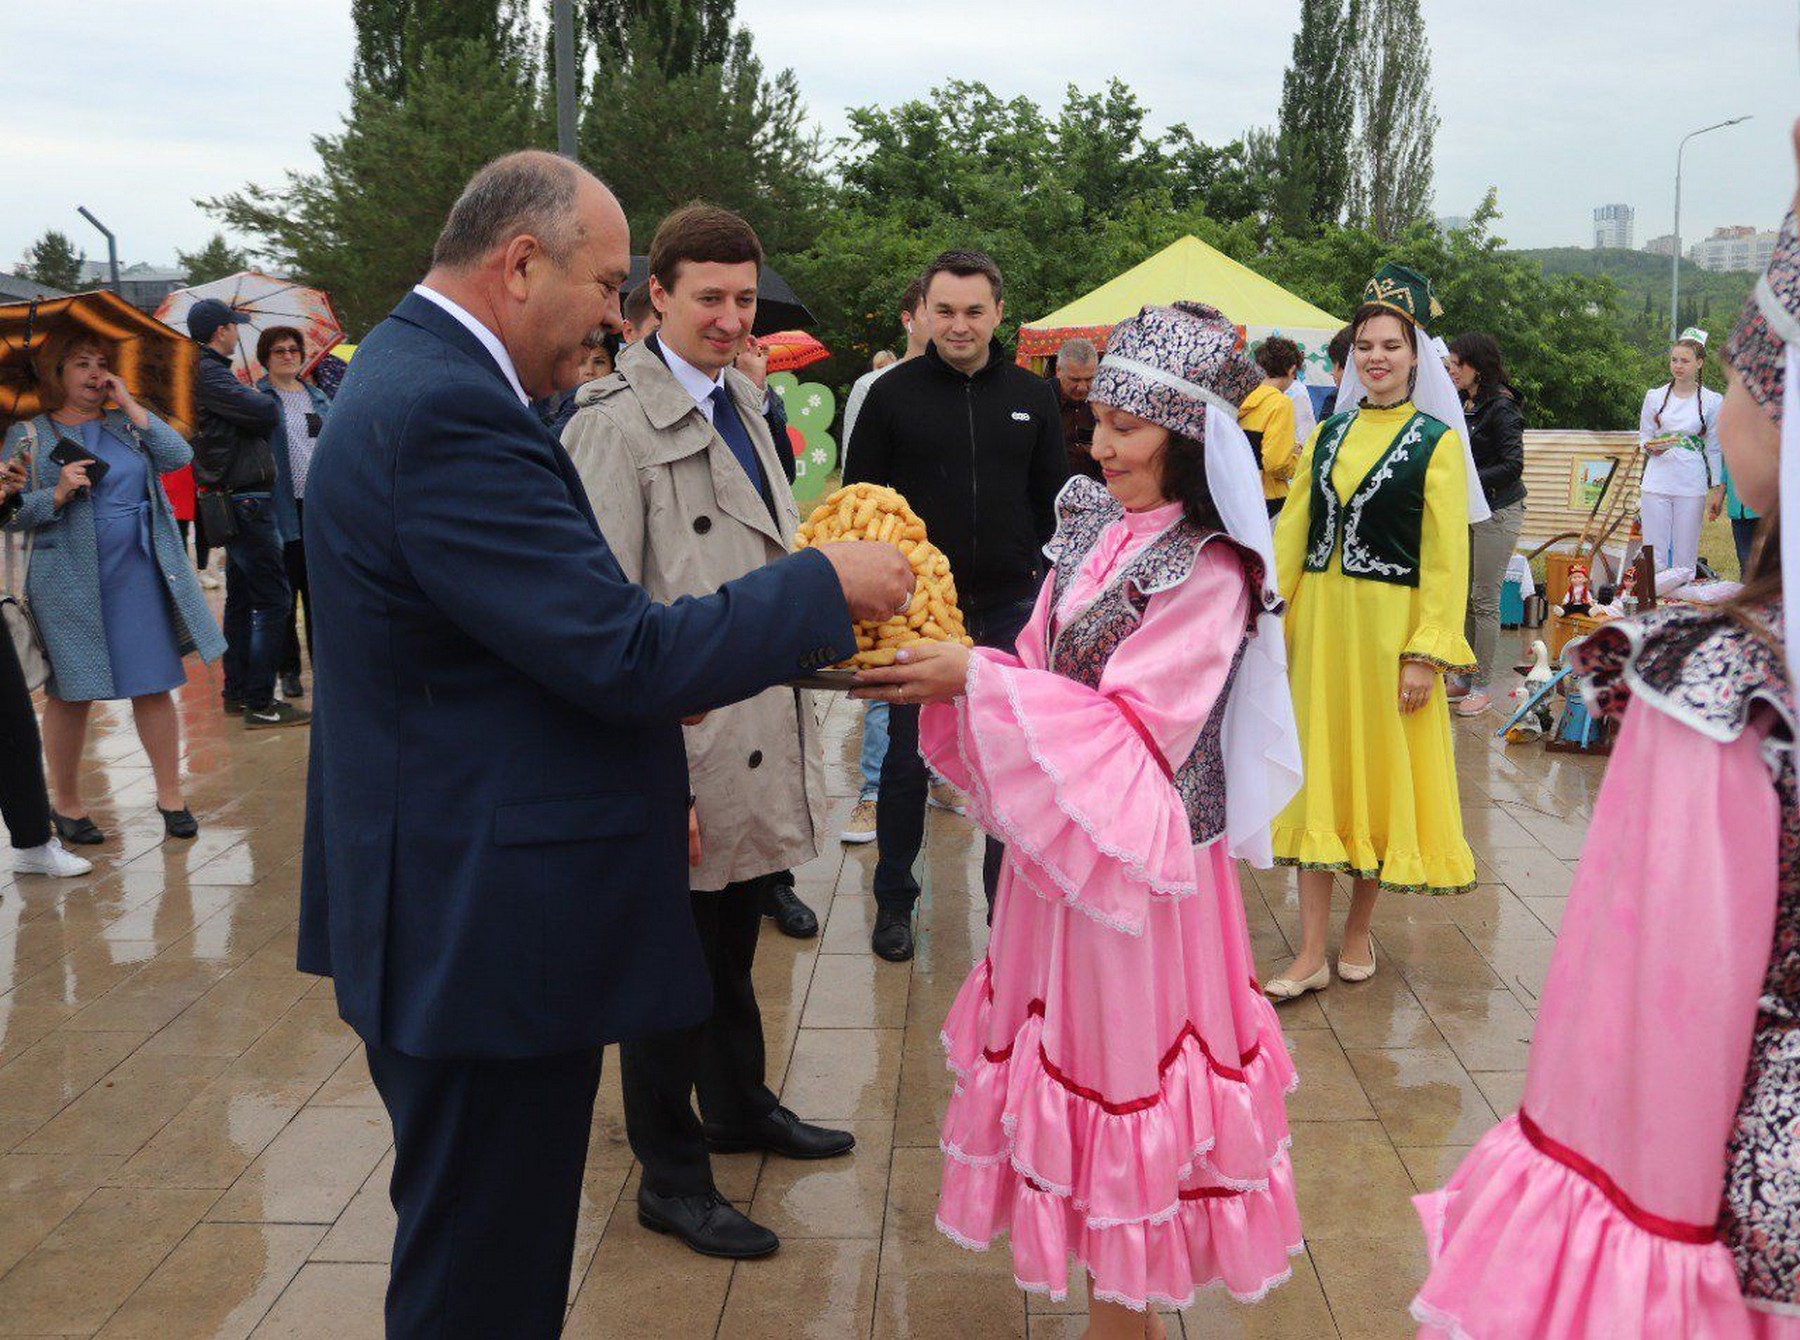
column 190, row 1146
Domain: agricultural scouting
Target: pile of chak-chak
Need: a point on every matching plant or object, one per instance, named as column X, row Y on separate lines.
column 871, row 512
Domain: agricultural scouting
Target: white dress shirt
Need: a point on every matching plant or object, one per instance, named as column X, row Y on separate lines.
column 695, row 382
column 489, row 340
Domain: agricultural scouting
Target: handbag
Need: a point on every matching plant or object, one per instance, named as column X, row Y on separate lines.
column 15, row 613
column 217, row 521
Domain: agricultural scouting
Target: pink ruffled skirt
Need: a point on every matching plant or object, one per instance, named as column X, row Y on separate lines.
column 1525, row 1241
column 1121, row 1101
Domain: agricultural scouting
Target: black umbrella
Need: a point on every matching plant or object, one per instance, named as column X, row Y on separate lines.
column 778, row 307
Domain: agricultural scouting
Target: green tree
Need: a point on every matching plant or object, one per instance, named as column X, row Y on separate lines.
column 52, row 260
column 1561, row 334
column 728, row 133
column 215, row 260
column 1102, row 155
column 1396, row 117
column 1318, row 118
column 392, row 36
column 363, row 225
column 674, row 36
column 1228, row 182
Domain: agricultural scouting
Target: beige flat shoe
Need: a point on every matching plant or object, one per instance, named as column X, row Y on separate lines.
column 1358, row 972
column 1289, row 988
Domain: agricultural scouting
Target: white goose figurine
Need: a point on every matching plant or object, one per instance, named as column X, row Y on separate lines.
column 1539, row 674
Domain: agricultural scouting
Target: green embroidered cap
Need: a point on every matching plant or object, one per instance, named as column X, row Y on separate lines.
column 1404, row 290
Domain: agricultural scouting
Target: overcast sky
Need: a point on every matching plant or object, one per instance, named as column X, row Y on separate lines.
column 134, row 110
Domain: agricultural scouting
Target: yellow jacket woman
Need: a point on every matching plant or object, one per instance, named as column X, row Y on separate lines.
column 1372, row 552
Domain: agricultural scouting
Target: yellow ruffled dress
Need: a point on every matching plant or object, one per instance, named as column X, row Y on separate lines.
column 1380, row 798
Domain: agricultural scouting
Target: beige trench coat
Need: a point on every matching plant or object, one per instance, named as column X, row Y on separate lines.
column 683, row 518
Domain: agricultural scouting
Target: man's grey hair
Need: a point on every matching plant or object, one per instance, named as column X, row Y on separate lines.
column 529, row 192
column 1077, row 353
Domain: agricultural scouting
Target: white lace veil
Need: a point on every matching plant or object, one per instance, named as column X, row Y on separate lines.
column 1261, row 743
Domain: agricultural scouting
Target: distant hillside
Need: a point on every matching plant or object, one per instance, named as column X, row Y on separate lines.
column 1710, row 301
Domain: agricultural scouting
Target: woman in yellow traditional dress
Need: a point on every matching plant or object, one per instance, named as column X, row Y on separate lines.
column 1373, row 557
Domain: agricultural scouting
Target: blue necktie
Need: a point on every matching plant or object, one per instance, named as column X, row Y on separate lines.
column 731, row 428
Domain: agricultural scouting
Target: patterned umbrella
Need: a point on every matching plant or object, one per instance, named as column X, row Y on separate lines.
column 158, row 364
column 791, row 349
column 268, row 301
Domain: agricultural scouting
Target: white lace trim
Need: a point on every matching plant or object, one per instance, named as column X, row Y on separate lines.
column 1132, row 866
column 1150, row 1299
column 1427, row 1315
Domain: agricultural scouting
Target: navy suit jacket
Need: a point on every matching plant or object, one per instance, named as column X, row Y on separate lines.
column 495, row 860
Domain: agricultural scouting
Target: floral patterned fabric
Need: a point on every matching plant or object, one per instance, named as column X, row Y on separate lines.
column 1757, row 350
column 1080, row 651
column 1167, row 364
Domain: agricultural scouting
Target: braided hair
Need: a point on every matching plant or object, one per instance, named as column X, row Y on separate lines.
column 1699, row 352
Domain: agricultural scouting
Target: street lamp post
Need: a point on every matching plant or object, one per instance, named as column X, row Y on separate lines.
column 112, row 245
column 1675, row 264
column 563, row 22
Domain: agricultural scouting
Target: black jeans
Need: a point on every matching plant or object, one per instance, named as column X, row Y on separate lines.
column 23, row 802
column 900, row 808
column 488, row 1158
column 722, row 1060
column 293, row 557
column 256, row 603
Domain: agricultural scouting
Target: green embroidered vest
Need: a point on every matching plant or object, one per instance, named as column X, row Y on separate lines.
column 1377, row 528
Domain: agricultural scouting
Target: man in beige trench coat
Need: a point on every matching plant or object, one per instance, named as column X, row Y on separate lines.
column 683, row 477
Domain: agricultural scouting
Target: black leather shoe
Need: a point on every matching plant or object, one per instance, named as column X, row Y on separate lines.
column 781, row 1132
column 708, row 1224
column 791, row 916
column 179, row 823
column 83, row 832
column 893, row 937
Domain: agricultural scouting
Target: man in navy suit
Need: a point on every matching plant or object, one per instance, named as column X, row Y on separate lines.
column 495, row 868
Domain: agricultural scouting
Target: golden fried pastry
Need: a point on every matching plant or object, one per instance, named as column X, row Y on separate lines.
column 871, row 512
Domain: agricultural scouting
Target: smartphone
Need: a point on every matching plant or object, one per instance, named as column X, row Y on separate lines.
column 314, row 424
column 73, row 453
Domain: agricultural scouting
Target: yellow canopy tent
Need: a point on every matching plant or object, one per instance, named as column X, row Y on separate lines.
column 1188, row 269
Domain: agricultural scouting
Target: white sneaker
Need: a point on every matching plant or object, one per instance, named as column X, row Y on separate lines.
column 52, row 859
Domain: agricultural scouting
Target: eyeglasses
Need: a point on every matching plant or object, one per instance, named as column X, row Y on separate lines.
column 286, row 349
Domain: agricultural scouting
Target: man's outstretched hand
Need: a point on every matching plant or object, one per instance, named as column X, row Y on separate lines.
column 877, row 580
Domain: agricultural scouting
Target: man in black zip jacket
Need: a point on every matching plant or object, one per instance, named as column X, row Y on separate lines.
column 232, row 457
column 975, row 444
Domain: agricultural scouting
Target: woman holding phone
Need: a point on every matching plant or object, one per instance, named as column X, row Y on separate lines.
column 282, row 350
column 113, row 594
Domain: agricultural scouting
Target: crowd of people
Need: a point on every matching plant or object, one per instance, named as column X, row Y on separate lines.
column 1214, row 619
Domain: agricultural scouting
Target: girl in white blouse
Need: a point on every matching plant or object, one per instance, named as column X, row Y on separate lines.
column 1684, row 481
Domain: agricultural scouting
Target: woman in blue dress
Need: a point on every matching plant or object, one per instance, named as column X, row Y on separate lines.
column 114, row 597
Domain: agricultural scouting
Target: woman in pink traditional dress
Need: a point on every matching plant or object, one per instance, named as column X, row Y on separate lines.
column 1650, row 1182
column 1121, row 1079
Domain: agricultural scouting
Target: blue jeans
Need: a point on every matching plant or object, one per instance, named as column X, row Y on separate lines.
column 900, row 808
column 1743, row 535
column 256, row 603
column 874, row 748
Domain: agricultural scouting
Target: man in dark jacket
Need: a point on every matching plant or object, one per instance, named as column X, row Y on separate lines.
column 232, row 459
column 1077, row 364
column 975, row 444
